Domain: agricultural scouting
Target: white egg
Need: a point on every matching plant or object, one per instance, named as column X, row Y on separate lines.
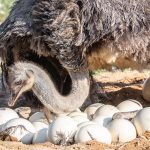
column 41, row 132
column 102, row 120
column 41, row 136
column 146, row 89
column 62, row 130
column 90, row 110
column 93, row 132
column 129, row 105
column 72, row 114
column 39, row 125
column 106, row 110
column 7, row 114
column 121, row 130
column 79, row 119
column 21, row 129
column 142, row 120
column 85, row 124
column 39, row 116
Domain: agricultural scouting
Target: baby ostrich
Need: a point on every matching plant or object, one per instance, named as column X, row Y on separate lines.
column 25, row 76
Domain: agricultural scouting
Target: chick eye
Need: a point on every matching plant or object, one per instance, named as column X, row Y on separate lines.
column 18, row 82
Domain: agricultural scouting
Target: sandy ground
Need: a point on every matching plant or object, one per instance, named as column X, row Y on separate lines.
column 119, row 86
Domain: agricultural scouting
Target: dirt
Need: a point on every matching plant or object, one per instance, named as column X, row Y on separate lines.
column 119, row 86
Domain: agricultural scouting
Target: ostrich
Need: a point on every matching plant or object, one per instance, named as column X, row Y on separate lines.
column 60, row 35
column 23, row 76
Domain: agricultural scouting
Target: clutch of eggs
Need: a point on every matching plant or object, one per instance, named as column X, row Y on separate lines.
column 78, row 126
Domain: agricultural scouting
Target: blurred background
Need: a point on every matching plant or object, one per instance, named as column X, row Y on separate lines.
column 5, row 6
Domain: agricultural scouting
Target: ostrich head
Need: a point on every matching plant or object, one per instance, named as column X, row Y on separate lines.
column 20, row 80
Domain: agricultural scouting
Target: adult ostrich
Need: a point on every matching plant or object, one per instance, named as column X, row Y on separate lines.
column 60, row 34
column 28, row 38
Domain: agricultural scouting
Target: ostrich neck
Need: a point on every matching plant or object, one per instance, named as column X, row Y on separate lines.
column 47, row 93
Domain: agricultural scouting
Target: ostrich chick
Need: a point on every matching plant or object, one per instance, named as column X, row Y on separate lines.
column 23, row 76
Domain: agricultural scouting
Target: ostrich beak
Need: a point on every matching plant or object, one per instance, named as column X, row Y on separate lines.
column 14, row 97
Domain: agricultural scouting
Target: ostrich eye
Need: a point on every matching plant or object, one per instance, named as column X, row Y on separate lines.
column 18, row 82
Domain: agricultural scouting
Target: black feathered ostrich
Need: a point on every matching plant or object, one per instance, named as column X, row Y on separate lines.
column 59, row 35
